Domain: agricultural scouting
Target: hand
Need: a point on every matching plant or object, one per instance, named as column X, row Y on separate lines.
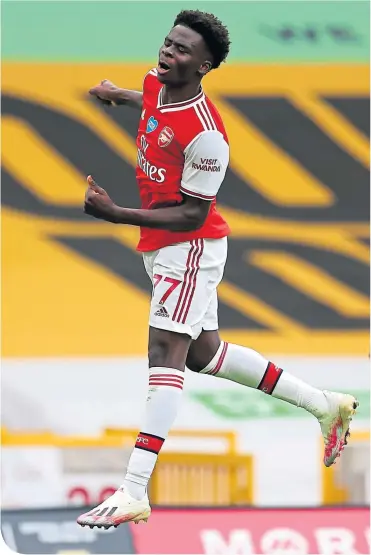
column 106, row 92
column 98, row 203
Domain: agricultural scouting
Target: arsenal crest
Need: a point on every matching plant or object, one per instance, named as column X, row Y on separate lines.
column 165, row 137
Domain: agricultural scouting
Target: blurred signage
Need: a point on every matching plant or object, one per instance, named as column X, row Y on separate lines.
column 56, row 531
column 260, row 31
column 343, row 531
column 313, row 34
column 244, row 404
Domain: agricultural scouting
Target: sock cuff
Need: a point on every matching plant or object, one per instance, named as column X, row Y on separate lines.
column 270, row 378
column 166, row 377
column 216, row 363
column 149, row 442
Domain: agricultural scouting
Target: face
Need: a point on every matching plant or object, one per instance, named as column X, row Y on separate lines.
column 183, row 58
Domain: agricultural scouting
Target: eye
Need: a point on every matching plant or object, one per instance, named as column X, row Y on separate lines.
column 181, row 49
column 167, row 42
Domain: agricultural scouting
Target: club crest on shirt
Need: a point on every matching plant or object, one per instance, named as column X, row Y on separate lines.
column 165, row 137
column 152, row 124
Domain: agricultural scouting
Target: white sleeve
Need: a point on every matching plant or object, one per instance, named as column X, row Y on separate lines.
column 206, row 161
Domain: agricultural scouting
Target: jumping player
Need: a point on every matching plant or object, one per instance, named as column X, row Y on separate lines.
column 183, row 155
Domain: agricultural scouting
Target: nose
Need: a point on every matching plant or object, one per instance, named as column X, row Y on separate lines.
column 167, row 51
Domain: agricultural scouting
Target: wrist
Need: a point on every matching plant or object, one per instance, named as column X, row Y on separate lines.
column 120, row 96
column 118, row 214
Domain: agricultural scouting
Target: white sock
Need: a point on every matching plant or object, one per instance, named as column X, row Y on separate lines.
column 247, row 367
column 163, row 401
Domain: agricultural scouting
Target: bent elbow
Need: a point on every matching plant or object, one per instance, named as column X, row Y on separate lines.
column 193, row 220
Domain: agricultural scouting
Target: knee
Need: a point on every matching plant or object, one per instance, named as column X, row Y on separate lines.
column 197, row 361
column 167, row 349
column 203, row 350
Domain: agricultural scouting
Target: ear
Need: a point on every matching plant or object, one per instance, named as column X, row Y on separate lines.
column 205, row 68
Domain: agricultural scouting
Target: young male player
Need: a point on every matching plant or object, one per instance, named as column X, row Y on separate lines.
column 183, row 155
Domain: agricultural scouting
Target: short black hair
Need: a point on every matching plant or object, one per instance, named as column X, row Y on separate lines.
column 212, row 30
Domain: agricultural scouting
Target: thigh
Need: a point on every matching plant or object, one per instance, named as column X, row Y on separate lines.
column 185, row 278
column 167, row 349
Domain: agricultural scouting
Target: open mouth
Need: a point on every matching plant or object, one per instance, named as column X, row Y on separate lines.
column 162, row 68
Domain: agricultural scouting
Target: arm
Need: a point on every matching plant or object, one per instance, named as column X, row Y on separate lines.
column 188, row 216
column 205, row 164
column 206, row 161
column 109, row 94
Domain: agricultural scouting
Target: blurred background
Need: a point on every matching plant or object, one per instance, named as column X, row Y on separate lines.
column 241, row 472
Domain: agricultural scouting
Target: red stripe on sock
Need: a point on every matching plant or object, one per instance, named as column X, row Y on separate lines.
column 166, row 379
column 169, row 384
column 169, row 379
column 270, row 378
column 149, row 442
column 220, row 361
column 167, row 376
column 173, row 380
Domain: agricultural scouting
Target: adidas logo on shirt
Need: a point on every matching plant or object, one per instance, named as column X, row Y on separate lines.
column 162, row 312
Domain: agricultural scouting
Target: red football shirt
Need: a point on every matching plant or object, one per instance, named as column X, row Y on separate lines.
column 182, row 150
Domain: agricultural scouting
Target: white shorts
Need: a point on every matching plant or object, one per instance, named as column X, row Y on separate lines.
column 185, row 278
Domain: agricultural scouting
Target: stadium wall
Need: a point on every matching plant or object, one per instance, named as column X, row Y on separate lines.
column 296, row 197
column 294, row 97
column 208, row 531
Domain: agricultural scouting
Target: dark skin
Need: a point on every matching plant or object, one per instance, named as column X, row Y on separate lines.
column 189, row 60
column 184, row 59
column 188, row 216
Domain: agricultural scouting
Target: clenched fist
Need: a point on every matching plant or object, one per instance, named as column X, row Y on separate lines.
column 107, row 93
column 98, row 203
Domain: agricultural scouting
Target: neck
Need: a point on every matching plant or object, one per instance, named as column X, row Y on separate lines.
column 170, row 94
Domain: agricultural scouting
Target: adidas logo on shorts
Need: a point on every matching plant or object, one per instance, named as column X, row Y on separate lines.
column 162, row 312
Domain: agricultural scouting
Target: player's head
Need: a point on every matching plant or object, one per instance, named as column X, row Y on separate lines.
column 197, row 43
